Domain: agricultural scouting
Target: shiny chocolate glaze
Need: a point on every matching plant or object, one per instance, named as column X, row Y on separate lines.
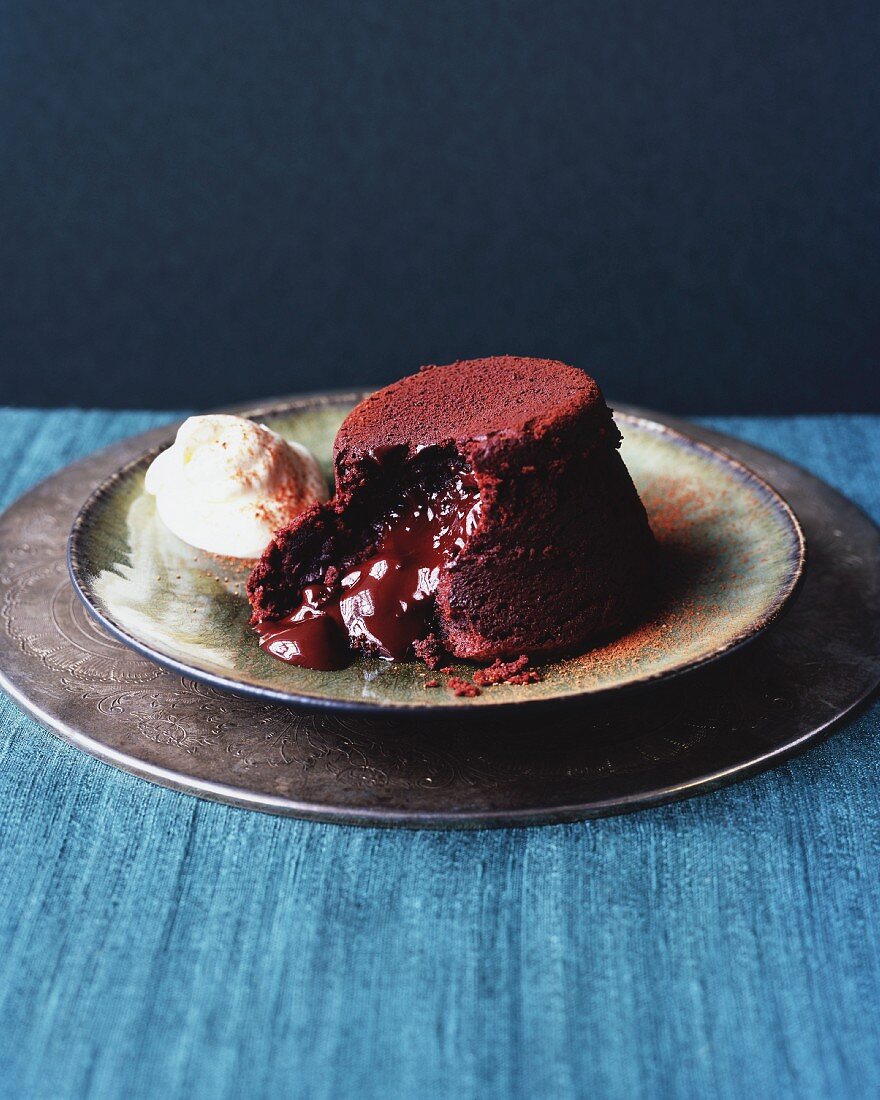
column 385, row 602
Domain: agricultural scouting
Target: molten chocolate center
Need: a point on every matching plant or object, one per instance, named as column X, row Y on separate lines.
column 384, row 603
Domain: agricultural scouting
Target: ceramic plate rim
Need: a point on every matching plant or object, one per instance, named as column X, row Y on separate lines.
column 781, row 600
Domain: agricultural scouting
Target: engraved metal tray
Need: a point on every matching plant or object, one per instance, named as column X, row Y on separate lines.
column 652, row 745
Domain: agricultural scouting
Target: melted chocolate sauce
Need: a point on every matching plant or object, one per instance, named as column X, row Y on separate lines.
column 385, row 603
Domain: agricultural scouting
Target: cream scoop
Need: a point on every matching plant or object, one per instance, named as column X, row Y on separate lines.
column 226, row 484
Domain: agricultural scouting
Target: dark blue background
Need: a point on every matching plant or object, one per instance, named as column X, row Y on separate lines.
column 210, row 202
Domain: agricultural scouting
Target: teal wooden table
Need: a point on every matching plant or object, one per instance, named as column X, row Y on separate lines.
column 152, row 945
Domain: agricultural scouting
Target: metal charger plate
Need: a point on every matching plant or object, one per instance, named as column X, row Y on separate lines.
column 655, row 744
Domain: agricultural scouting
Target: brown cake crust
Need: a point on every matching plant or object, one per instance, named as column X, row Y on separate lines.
column 562, row 553
column 468, row 401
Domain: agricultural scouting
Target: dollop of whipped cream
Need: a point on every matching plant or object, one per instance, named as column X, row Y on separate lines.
column 226, row 484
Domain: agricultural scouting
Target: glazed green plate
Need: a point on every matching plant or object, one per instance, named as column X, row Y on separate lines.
column 732, row 553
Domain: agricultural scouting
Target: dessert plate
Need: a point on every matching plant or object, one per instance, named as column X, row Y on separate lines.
column 732, row 554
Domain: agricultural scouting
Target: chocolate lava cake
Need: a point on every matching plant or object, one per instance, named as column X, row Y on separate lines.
column 481, row 508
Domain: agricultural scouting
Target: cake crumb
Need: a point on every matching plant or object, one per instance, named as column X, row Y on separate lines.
column 464, row 689
column 508, row 672
column 430, row 650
